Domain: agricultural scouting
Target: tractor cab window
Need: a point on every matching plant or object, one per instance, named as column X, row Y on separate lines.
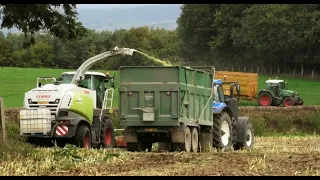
column 215, row 93
column 218, row 94
column 282, row 85
column 272, row 85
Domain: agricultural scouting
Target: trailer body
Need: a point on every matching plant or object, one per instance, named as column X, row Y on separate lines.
column 161, row 104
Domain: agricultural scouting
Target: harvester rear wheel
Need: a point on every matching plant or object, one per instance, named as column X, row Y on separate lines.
column 265, row 99
column 288, row 101
column 194, row 140
column 222, row 132
column 108, row 139
column 83, row 137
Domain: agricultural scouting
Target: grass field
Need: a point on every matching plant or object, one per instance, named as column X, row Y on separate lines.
column 16, row 81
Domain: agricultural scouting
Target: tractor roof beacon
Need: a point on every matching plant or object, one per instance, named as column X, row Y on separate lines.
column 73, row 109
column 277, row 93
column 234, row 130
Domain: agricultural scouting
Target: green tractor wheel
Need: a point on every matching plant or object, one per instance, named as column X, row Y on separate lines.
column 265, row 99
column 288, row 102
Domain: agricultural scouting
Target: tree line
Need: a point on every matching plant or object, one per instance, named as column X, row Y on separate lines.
column 264, row 38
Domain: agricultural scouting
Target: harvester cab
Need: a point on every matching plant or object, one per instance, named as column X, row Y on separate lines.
column 74, row 109
column 276, row 92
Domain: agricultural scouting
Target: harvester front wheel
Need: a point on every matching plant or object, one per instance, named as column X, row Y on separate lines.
column 264, row 99
column 83, row 137
column 288, row 101
column 108, row 139
column 222, row 132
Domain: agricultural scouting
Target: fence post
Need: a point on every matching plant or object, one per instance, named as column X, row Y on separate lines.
column 3, row 132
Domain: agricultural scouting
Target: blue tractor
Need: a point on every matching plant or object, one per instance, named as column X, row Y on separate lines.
column 229, row 130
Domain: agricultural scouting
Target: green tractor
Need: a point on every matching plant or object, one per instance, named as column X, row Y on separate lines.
column 276, row 93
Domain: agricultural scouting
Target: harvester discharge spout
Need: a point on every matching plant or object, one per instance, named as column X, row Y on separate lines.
column 100, row 57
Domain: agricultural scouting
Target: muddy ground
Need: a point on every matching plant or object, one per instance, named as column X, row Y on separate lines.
column 271, row 156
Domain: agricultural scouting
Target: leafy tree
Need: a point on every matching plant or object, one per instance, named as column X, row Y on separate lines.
column 58, row 19
column 195, row 28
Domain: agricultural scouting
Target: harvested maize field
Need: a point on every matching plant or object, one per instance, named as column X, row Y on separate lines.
column 271, row 156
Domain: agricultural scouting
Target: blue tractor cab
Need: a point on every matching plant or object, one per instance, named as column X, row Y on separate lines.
column 218, row 103
column 234, row 130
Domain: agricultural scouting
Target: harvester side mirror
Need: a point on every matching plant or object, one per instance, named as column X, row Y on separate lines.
column 39, row 84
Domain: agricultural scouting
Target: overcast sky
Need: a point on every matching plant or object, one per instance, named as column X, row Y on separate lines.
column 110, row 5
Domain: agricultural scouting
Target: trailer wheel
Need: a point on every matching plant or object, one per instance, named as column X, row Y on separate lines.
column 187, row 143
column 288, row 101
column 83, row 137
column 108, row 139
column 247, row 130
column 186, row 146
column 222, row 132
column 194, row 140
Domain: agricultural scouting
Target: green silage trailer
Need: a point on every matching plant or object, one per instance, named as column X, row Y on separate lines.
column 171, row 105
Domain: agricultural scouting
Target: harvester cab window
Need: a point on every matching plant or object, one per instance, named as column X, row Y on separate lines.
column 86, row 82
column 66, row 79
column 98, row 86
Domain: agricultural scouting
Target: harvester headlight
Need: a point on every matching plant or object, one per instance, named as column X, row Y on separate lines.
column 57, row 101
column 29, row 101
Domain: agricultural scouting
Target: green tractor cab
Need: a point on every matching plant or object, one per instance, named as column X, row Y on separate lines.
column 276, row 93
